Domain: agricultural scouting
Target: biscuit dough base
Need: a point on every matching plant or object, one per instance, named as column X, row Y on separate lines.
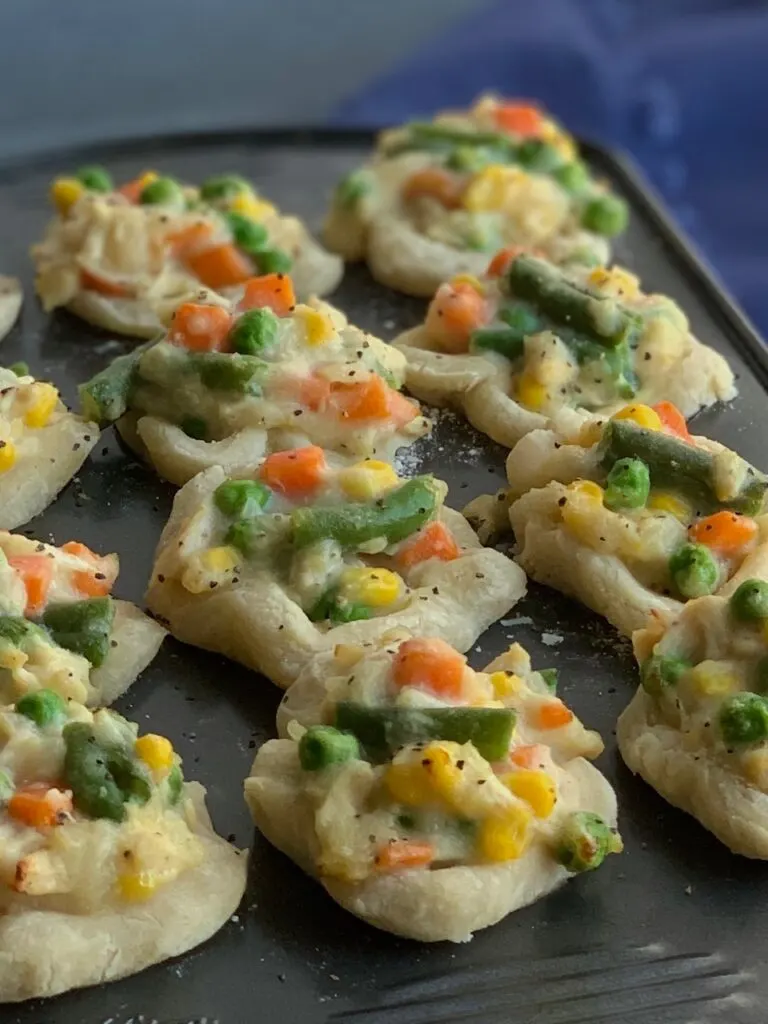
column 137, row 640
column 480, row 387
column 693, row 780
column 447, row 904
column 257, row 623
column 30, row 486
column 44, row 953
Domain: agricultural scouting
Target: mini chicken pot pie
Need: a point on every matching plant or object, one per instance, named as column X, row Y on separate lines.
column 531, row 345
column 124, row 258
column 429, row 799
column 270, row 571
column 59, row 628
column 42, row 445
column 697, row 729
column 645, row 518
column 228, row 383
column 108, row 861
column 438, row 198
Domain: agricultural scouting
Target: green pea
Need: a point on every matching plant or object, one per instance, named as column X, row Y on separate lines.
column 628, row 484
column 21, row 369
column 574, row 177
column 585, row 841
column 606, row 215
column 241, row 498
column 660, row 672
column 162, row 191
column 694, row 571
column 537, row 155
column 328, row 607
column 743, row 719
column 175, row 784
column 248, row 536
column 322, row 746
column 749, row 602
column 255, row 330
column 248, row 234
column 353, row 188
column 549, row 675
column 224, row 186
column 195, row 427
column 95, row 178
column 273, row 261
column 43, row 707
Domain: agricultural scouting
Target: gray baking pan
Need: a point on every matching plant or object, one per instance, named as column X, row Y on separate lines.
column 671, row 932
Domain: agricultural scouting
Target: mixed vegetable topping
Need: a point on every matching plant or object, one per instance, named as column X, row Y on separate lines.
column 708, row 677
column 264, row 361
column 345, row 543
column 90, row 812
column 56, row 617
column 420, row 762
column 581, row 338
column 26, row 406
column 682, row 514
column 500, row 173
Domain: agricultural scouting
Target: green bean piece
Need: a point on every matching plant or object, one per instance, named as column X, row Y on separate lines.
column 549, row 675
column 21, row 369
column 628, row 485
column 95, row 178
column 394, row 517
column 195, row 427
column 605, row 215
column 174, row 782
column 544, row 285
column 743, row 719
column 106, row 396
column 273, row 261
column 383, row 731
column 16, row 631
column 329, row 607
column 241, row 498
column 224, row 371
column 258, row 535
column 87, row 773
column 469, row 159
column 162, row 192
column 353, row 188
column 509, row 340
column 749, row 602
column 585, row 840
column 7, row 787
column 255, row 331
column 43, row 707
column 661, row 671
column 322, row 746
column 538, row 155
column 694, row 571
column 678, row 466
column 247, row 233
column 574, row 177
column 224, row 186
column 441, row 138
column 82, row 626
column 130, row 775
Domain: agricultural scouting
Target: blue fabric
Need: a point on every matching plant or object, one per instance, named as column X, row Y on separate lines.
column 680, row 84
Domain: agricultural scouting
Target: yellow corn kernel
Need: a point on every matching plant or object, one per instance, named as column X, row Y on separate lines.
column 713, row 679
column 754, row 764
column 618, row 279
column 505, row 684
column 471, row 280
column 222, row 559
column 409, row 784
column 660, row 501
column 156, row 752
column 530, row 393
column 318, row 328
column 147, row 178
column 642, row 415
column 368, row 479
column 373, row 587
column 441, row 770
column 587, row 489
column 7, row 456
column 251, row 206
column 64, row 194
column 559, row 140
column 42, row 401
column 537, row 788
column 136, row 886
column 506, row 837
column 489, row 189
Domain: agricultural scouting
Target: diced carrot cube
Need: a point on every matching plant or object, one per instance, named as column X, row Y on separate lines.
column 429, row 663
column 36, row 572
column 200, row 328
column 220, row 266
column 296, row 473
column 434, row 541
column 274, row 291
